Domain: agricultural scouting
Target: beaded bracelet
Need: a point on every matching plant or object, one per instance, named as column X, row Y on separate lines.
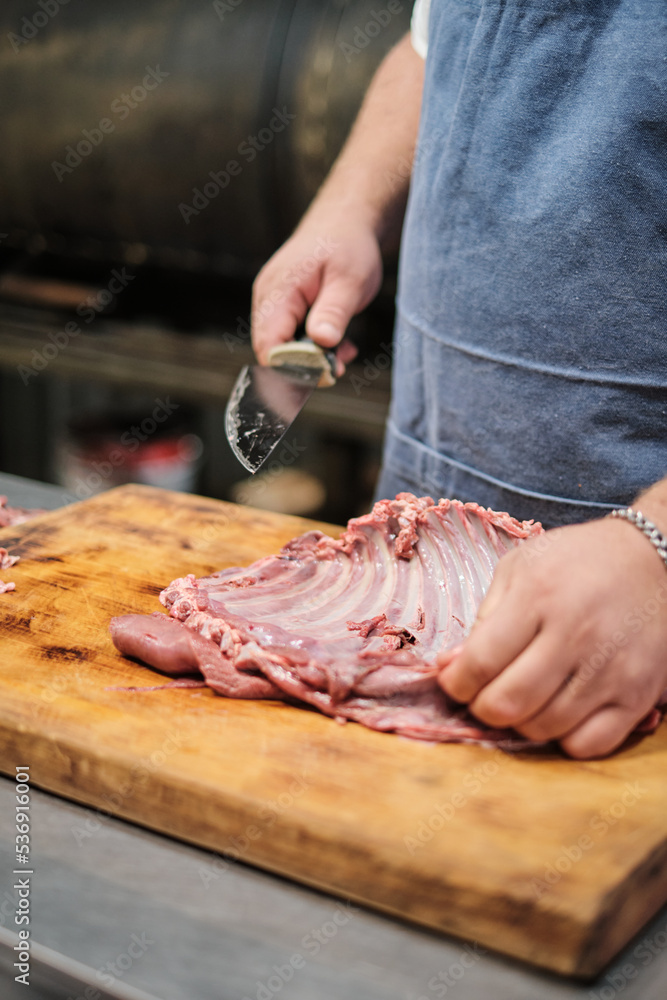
column 648, row 528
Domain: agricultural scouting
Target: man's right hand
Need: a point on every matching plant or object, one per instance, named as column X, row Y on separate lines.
column 331, row 267
column 327, row 272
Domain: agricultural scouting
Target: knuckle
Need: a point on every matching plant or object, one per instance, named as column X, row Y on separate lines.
column 600, row 734
column 635, row 701
column 262, row 278
column 580, row 746
column 496, row 712
column 348, row 276
column 538, row 729
column 331, row 311
column 479, row 671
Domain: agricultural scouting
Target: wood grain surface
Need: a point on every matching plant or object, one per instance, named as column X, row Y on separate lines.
column 550, row 860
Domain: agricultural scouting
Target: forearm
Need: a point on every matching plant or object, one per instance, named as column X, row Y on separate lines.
column 358, row 212
column 371, row 176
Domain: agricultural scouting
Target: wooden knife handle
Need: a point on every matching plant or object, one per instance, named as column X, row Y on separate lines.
column 305, row 354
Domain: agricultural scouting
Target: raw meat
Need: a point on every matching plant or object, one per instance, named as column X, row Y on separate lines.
column 15, row 515
column 350, row 627
column 6, row 561
column 11, row 515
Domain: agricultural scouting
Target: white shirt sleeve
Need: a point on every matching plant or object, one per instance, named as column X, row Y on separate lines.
column 419, row 27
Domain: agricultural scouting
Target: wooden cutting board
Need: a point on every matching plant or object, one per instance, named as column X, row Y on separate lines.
column 553, row 861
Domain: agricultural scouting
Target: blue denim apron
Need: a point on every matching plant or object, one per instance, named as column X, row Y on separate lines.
column 530, row 366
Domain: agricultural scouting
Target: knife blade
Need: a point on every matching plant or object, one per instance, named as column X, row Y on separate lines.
column 266, row 399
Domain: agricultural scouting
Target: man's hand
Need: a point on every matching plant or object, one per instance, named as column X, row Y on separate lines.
column 331, row 267
column 570, row 643
column 325, row 272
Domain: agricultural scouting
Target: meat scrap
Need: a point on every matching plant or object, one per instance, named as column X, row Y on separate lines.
column 5, row 562
column 350, row 627
column 10, row 516
column 16, row 515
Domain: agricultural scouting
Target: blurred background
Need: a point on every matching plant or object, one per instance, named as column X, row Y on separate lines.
column 153, row 155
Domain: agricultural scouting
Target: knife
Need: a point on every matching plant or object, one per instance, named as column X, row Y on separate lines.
column 266, row 399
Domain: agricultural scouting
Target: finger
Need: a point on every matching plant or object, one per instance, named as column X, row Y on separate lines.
column 495, row 594
column 526, row 688
column 276, row 315
column 492, row 645
column 346, row 352
column 340, row 298
column 571, row 703
column 444, row 658
column 602, row 732
column 622, row 681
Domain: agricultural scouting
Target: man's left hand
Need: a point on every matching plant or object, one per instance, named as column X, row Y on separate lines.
column 570, row 642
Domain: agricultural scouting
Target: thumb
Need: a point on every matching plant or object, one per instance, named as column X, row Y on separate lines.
column 340, row 298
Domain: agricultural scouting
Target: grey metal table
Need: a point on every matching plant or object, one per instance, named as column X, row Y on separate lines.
column 122, row 912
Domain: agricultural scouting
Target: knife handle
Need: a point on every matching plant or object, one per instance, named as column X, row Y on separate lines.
column 305, row 354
